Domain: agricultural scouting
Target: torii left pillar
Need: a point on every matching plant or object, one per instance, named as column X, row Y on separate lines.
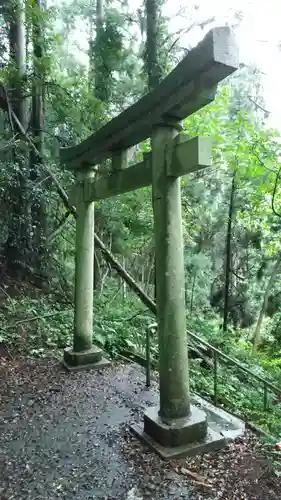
column 83, row 354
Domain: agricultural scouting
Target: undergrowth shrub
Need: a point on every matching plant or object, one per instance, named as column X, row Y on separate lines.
column 34, row 326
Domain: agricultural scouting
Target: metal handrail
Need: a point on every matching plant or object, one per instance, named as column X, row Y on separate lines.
column 216, row 355
column 233, row 361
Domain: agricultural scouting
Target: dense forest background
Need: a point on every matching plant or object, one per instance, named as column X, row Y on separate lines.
column 50, row 97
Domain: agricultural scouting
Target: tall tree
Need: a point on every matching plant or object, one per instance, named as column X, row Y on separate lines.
column 99, row 62
column 151, row 57
column 273, row 276
column 105, row 48
column 17, row 243
column 38, row 208
column 228, row 251
column 152, row 43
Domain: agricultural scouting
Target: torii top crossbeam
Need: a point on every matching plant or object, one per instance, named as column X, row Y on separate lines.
column 189, row 87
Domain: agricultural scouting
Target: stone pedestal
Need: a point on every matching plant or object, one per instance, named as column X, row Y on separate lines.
column 182, row 437
column 177, row 432
column 84, row 360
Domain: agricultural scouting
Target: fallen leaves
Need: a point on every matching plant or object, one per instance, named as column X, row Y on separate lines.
column 240, row 471
column 200, row 480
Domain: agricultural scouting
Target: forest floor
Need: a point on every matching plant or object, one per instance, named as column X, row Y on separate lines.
column 66, row 436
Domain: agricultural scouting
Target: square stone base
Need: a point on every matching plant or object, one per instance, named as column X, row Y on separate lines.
column 84, row 360
column 178, row 432
column 213, row 441
column 183, row 437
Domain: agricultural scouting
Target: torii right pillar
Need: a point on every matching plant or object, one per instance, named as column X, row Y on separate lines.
column 175, row 428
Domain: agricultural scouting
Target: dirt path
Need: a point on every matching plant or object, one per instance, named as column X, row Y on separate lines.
column 66, row 437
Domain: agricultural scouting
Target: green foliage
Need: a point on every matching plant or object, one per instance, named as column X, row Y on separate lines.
column 107, row 54
column 120, row 325
column 35, row 323
column 241, row 395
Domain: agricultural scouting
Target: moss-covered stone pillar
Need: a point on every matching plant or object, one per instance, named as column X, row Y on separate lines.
column 170, row 281
column 84, row 268
column 175, row 428
column 83, row 354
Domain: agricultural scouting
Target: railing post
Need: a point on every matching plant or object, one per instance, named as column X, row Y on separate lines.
column 215, row 377
column 265, row 397
column 147, row 354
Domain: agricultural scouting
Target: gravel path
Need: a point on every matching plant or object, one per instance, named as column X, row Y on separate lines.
column 66, row 437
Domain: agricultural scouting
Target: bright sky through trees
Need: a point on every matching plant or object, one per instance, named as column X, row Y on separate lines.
column 258, row 32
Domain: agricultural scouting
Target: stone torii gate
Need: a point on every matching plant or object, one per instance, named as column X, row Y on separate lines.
column 176, row 427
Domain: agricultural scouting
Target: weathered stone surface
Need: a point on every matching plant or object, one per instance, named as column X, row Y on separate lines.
column 220, row 420
column 83, row 355
column 188, row 155
column 103, row 363
column 179, row 432
column 189, row 87
column 84, row 269
column 90, row 358
column 170, row 281
column 212, row 442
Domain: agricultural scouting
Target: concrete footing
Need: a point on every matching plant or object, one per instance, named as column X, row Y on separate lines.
column 84, row 360
column 177, row 432
column 213, row 441
column 182, row 437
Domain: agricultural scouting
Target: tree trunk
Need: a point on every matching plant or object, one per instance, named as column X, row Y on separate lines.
column 95, row 86
column 257, row 334
column 149, row 272
column 192, row 293
column 97, row 78
column 152, row 63
column 17, row 245
column 228, row 252
column 38, row 209
column 153, row 68
column 91, row 49
column 100, row 78
column 97, row 273
column 124, row 284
